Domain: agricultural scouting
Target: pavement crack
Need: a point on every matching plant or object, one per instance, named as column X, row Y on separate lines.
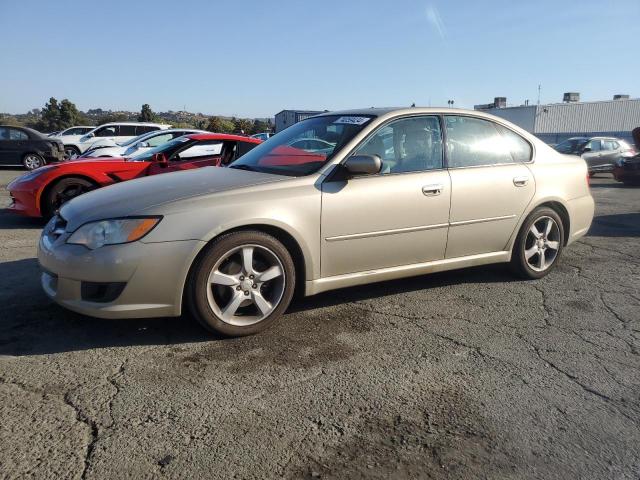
column 113, row 381
column 93, row 428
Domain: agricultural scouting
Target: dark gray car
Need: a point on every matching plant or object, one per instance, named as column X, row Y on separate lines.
column 27, row 147
column 600, row 153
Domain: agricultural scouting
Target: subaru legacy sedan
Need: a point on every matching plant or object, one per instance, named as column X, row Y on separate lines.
column 401, row 192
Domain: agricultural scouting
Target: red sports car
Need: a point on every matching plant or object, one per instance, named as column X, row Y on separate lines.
column 41, row 192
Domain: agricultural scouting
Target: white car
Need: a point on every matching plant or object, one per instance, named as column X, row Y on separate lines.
column 74, row 145
column 77, row 130
column 139, row 144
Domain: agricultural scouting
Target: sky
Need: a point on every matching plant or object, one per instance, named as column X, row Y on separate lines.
column 255, row 58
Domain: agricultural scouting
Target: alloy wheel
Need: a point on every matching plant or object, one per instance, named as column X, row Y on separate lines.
column 32, row 162
column 246, row 285
column 542, row 244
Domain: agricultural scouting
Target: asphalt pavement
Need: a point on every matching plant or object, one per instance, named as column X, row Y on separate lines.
column 464, row 374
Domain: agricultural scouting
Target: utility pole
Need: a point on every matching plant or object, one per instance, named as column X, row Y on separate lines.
column 539, row 87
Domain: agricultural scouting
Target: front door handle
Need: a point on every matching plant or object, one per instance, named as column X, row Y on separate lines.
column 432, row 190
column 520, row 181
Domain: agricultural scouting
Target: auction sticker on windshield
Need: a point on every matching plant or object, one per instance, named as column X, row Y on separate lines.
column 352, row 120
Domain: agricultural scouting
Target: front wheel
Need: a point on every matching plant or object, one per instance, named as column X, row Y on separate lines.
column 63, row 191
column 539, row 244
column 242, row 283
column 31, row 161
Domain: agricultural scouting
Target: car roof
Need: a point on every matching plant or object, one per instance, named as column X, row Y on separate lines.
column 222, row 136
column 26, row 129
column 147, row 124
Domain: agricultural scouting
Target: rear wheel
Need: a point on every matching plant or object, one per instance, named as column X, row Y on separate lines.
column 70, row 151
column 63, row 191
column 242, row 283
column 539, row 244
column 31, row 161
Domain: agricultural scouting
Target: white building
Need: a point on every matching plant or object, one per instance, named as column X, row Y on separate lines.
column 556, row 122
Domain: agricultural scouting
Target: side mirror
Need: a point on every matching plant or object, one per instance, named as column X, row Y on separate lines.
column 586, row 149
column 91, row 134
column 363, row 164
column 143, row 145
column 160, row 159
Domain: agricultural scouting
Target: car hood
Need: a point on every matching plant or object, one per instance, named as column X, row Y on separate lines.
column 135, row 196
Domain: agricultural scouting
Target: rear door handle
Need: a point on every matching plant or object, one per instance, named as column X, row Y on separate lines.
column 520, row 181
column 432, row 190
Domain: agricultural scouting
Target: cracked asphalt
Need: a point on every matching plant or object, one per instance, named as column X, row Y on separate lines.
column 466, row 374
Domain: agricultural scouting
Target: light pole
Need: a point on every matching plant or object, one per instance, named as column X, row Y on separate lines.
column 450, row 103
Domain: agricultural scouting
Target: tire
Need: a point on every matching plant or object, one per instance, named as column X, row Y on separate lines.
column 61, row 192
column 69, row 151
column 542, row 256
column 31, row 161
column 234, row 303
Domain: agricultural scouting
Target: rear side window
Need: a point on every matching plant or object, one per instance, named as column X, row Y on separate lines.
column 140, row 129
column 473, row 142
column 520, row 149
column 159, row 139
column 609, row 145
column 127, row 131
column 15, row 134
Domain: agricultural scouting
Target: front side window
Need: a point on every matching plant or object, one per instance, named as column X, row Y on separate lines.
column 15, row 134
column 473, row 142
column 109, row 131
column 572, row 145
column 407, row 145
column 290, row 151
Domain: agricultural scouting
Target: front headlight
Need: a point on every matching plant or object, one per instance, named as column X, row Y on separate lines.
column 112, row 232
column 25, row 177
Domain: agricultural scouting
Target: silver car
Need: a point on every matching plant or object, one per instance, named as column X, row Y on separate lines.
column 403, row 192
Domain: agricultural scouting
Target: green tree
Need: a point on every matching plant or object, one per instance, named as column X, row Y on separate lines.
column 68, row 114
column 259, row 126
column 242, row 125
column 220, row 125
column 146, row 114
column 50, row 120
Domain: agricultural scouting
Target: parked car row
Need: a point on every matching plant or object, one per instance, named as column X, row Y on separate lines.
column 42, row 192
column 338, row 199
column 77, row 143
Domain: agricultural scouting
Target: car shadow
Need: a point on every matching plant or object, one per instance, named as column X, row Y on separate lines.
column 11, row 220
column 617, row 225
column 31, row 324
column 612, row 185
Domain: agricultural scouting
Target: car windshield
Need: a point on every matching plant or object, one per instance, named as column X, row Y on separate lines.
column 304, row 147
column 572, row 145
column 166, row 148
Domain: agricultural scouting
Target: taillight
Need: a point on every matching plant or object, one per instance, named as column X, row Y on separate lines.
column 588, row 180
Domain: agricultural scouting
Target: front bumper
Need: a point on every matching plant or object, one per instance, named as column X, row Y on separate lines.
column 628, row 173
column 24, row 198
column 148, row 278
